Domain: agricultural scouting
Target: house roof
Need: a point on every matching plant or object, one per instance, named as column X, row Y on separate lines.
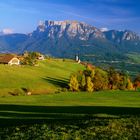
column 6, row 58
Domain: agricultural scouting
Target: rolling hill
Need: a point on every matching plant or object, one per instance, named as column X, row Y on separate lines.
column 48, row 77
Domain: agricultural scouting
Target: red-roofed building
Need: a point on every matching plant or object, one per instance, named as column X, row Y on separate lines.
column 9, row 59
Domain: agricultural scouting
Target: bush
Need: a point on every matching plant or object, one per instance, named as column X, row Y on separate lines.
column 27, row 91
column 106, row 128
column 17, row 92
column 30, row 58
column 64, row 89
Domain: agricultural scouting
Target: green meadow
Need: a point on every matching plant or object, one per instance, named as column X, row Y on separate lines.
column 47, row 77
column 99, row 115
column 67, row 106
column 52, row 114
column 63, row 105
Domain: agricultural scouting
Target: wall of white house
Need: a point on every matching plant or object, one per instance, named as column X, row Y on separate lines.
column 14, row 61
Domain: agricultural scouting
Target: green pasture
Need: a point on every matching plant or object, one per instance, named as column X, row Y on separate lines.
column 67, row 106
column 99, row 115
column 47, row 77
column 63, row 115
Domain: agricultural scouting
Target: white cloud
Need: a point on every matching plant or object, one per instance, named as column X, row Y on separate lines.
column 104, row 29
column 7, row 31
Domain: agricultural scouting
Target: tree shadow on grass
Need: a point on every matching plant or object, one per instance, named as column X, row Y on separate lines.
column 57, row 82
column 22, row 114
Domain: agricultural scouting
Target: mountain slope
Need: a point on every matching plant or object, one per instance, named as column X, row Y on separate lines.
column 67, row 38
column 12, row 42
column 127, row 40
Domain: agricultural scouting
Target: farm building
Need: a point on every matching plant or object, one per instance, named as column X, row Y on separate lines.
column 9, row 59
column 41, row 57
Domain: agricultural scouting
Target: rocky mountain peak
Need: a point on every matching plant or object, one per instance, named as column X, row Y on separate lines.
column 119, row 36
column 129, row 35
column 72, row 29
column 66, row 38
column 41, row 26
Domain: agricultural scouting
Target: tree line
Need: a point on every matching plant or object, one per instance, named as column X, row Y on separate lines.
column 96, row 79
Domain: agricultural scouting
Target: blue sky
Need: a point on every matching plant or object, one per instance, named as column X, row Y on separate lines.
column 24, row 15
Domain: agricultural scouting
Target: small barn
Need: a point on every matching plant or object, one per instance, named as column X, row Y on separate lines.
column 9, row 59
column 41, row 57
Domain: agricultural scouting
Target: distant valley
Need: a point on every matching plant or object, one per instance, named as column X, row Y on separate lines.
column 64, row 39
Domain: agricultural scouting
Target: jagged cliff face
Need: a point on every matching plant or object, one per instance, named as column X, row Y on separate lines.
column 79, row 31
column 69, row 29
column 119, row 36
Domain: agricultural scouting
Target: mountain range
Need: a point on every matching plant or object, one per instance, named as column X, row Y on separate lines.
column 67, row 38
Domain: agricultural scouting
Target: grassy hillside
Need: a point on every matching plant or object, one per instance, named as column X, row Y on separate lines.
column 78, row 115
column 134, row 57
column 45, row 78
